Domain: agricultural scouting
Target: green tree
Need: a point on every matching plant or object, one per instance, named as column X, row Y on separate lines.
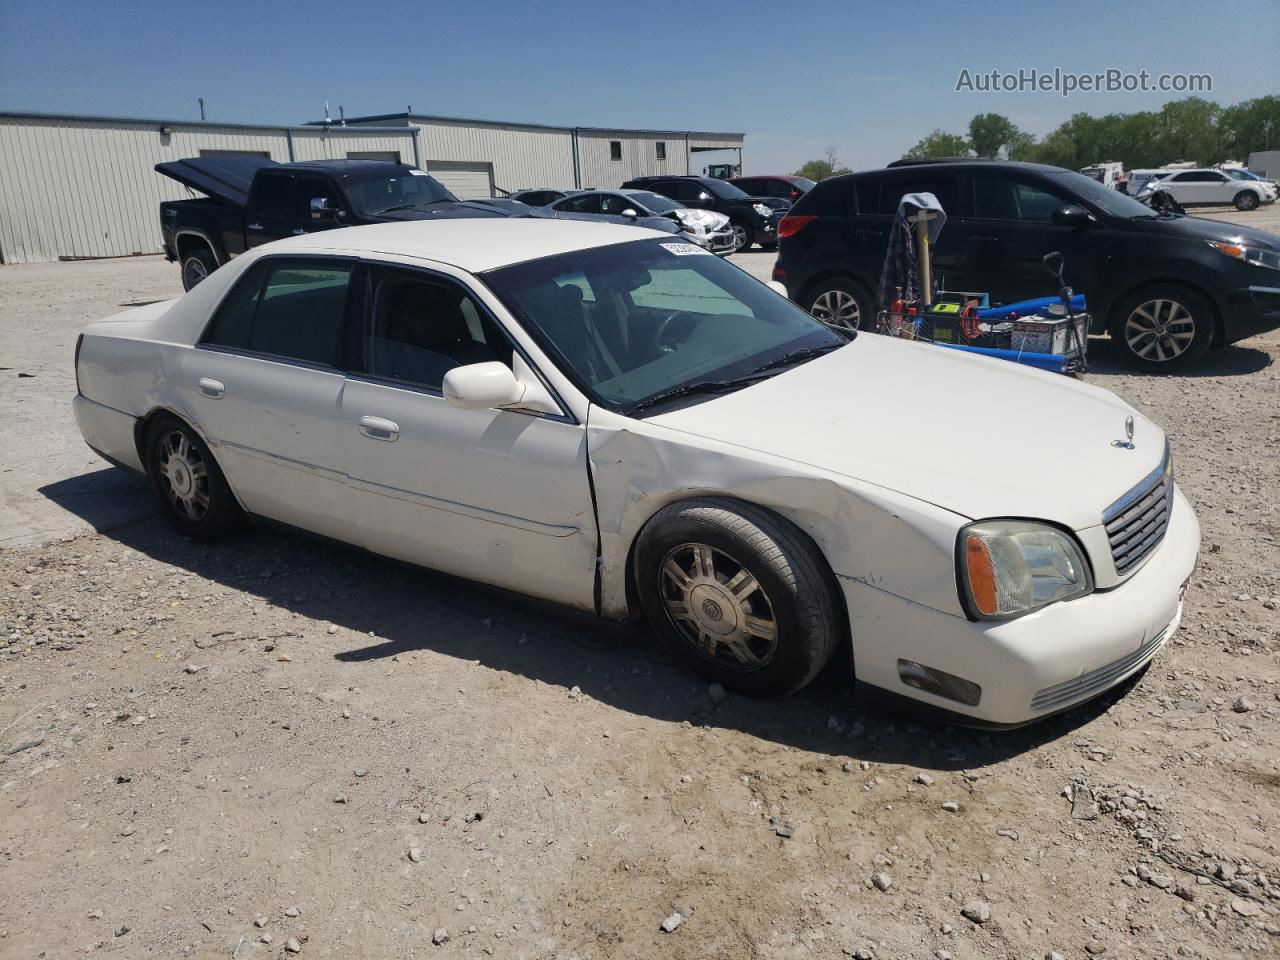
column 990, row 133
column 939, row 144
column 1250, row 126
column 828, row 166
column 1189, row 131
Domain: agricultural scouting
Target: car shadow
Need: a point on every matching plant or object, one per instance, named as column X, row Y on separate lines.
column 1233, row 360
column 408, row 608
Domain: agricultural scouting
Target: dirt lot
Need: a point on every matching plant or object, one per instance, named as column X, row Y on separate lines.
column 236, row 750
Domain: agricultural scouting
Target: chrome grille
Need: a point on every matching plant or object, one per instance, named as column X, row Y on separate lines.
column 1085, row 685
column 1136, row 523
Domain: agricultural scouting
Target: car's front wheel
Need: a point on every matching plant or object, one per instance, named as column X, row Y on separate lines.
column 189, row 487
column 1162, row 328
column 741, row 237
column 1246, row 200
column 842, row 305
column 738, row 592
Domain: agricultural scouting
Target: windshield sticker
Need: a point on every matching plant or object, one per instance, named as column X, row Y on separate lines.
column 684, row 249
column 420, row 173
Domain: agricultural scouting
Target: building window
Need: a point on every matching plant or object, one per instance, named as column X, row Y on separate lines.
column 615, row 149
column 660, row 149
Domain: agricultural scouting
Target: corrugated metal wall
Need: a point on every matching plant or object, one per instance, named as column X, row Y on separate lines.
column 521, row 157
column 639, row 158
column 87, row 188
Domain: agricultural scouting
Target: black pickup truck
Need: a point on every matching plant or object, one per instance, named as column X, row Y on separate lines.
column 252, row 200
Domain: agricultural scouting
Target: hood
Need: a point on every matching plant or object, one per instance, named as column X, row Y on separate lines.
column 451, row 210
column 977, row 436
column 1201, row 228
column 702, row 220
column 223, row 178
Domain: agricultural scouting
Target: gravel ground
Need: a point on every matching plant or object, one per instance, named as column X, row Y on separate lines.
column 268, row 746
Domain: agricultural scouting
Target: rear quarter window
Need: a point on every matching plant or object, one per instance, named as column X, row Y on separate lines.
column 830, row 198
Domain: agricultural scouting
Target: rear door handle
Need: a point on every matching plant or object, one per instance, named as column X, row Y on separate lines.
column 211, row 388
column 299, row 232
column 253, row 226
column 376, row 428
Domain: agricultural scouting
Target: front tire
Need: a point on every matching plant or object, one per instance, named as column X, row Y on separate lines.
column 741, row 237
column 739, row 593
column 1162, row 328
column 1246, row 200
column 842, row 304
column 197, row 264
column 189, row 487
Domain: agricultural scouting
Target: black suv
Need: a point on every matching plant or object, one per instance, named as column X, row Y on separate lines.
column 754, row 219
column 1164, row 287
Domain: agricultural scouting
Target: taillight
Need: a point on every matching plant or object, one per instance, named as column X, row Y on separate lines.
column 779, row 273
column 792, row 224
column 79, row 342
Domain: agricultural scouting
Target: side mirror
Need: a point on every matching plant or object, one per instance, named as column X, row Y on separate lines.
column 486, row 386
column 630, row 213
column 1072, row 215
column 704, row 197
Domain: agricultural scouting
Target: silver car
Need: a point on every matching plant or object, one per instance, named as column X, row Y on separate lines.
column 708, row 229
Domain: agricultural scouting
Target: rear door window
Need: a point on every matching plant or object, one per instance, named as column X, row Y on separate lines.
column 273, row 195
column 290, row 309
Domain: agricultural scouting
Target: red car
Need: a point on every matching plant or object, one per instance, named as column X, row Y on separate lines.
column 784, row 186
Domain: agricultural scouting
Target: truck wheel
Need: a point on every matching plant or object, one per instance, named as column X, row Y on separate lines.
column 197, row 264
column 1163, row 327
column 1246, row 200
column 740, row 593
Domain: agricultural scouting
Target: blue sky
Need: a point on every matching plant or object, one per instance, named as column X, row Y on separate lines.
column 867, row 78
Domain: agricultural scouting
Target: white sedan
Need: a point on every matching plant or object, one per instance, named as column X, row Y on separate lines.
column 604, row 417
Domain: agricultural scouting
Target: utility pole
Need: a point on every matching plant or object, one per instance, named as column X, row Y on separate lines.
column 201, row 100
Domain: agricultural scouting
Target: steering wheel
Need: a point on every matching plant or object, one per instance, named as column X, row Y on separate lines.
column 662, row 329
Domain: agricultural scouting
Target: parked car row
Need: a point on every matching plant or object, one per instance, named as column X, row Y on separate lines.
column 1165, row 287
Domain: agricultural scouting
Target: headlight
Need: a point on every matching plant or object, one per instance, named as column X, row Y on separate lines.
column 1253, row 255
column 763, row 209
column 1011, row 567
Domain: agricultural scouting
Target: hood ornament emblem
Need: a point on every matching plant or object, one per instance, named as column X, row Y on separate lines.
column 1127, row 442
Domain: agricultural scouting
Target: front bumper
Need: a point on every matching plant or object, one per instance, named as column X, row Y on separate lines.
column 1039, row 664
column 1254, row 309
column 766, row 234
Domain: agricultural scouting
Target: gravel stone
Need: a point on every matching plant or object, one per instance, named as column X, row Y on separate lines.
column 881, row 881
column 976, row 910
column 669, row 925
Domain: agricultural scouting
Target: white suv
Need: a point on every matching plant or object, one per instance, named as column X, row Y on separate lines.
column 1207, row 186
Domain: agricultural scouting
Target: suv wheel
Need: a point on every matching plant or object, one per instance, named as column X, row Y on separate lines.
column 842, row 305
column 741, row 237
column 1246, row 200
column 1163, row 327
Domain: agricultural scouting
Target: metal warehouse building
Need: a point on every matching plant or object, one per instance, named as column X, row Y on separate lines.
column 76, row 186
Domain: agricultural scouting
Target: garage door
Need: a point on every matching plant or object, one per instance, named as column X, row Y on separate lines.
column 464, row 179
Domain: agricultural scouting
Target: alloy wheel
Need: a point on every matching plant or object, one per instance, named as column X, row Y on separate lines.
column 719, row 607
column 185, row 475
column 1159, row 330
column 839, row 310
column 740, row 239
column 193, row 271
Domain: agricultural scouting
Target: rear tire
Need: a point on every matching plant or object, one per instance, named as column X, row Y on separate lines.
column 189, row 487
column 1163, row 327
column 739, row 593
column 842, row 304
column 1246, row 200
column 197, row 264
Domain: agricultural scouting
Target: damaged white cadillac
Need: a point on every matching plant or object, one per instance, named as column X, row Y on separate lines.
column 606, row 418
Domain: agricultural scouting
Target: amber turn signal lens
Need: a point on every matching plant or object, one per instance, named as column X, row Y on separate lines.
column 982, row 576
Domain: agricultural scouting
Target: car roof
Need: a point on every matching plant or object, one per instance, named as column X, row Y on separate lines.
column 767, row 176
column 474, row 244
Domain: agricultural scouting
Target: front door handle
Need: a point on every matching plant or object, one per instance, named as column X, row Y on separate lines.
column 253, row 226
column 376, row 428
column 299, row 232
column 211, row 388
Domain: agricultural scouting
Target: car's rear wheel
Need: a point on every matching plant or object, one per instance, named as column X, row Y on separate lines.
column 1246, row 200
column 197, row 264
column 1163, row 327
column 841, row 304
column 189, row 486
column 739, row 593
column 741, row 236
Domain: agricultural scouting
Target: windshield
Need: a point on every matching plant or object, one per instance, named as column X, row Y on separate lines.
column 1241, row 174
column 412, row 188
column 724, row 190
column 654, row 202
column 633, row 321
column 1109, row 201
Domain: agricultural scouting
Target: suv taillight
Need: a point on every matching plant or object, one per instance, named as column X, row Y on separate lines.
column 79, row 343
column 792, row 224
